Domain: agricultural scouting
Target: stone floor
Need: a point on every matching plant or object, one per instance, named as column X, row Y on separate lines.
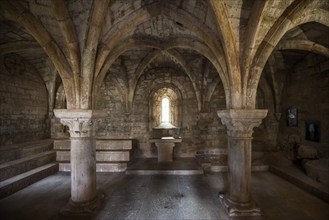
column 164, row 197
column 151, row 166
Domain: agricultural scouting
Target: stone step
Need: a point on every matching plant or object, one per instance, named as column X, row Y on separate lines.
column 62, row 144
column 164, row 172
column 224, row 168
column 16, row 183
column 101, row 144
column 111, row 144
column 101, row 156
column 17, row 151
column 16, row 167
column 151, row 166
column 298, row 178
column 100, row 167
column 113, row 156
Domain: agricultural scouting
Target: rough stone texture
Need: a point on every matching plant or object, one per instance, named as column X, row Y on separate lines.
column 318, row 170
column 240, row 124
column 199, row 131
column 213, row 55
column 308, row 81
column 307, row 152
column 23, row 109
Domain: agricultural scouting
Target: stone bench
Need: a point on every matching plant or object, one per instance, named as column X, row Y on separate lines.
column 112, row 155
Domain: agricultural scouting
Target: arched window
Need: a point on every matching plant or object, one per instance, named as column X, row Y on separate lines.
column 165, row 110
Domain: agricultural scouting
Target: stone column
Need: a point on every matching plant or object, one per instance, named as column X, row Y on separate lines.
column 240, row 124
column 82, row 126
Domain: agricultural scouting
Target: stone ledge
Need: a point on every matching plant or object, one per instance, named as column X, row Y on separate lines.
column 23, row 180
column 101, row 144
column 164, row 172
column 224, row 168
column 100, row 167
column 101, row 156
column 16, row 167
column 17, row 151
column 296, row 177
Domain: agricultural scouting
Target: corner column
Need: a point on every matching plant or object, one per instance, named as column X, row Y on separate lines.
column 82, row 126
column 240, row 124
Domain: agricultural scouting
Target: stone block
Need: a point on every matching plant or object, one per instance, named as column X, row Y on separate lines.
column 62, row 144
column 100, row 167
column 111, row 167
column 63, row 156
column 113, row 156
column 100, row 156
column 307, row 152
column 103, row 144
column 16, row 167
column 65, row 167
column 318, row 170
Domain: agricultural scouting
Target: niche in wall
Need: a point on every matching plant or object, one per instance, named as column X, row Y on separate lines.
column 165, row 108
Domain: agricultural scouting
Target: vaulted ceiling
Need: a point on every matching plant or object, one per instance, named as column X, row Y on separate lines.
column 86, row 40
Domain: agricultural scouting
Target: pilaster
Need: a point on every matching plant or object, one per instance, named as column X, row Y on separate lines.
column 82, row 127
column 240, row 124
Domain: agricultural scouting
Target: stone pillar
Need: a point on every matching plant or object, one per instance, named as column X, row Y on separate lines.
column 82, row 126
column 240, row 124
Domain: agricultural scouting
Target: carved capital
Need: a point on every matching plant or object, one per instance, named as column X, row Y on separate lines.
column 81, row 123
column 241, row 122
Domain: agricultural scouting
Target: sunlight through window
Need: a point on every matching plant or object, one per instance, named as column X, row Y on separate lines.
column 165, row 110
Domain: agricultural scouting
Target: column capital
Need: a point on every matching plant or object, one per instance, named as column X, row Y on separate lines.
column 81, row 122
column 241, row 122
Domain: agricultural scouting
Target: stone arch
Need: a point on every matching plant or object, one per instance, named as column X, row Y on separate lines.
column 306, row 45
column 142, row 15
column 176, row 96
column 18, row 14
column 130, row 43
column 290, row 19
column 268, row 45
column 231, row 52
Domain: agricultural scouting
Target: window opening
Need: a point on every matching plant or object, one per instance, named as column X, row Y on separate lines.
column 165, row 110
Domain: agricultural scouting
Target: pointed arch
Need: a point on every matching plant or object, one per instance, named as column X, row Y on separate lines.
column 130, row 43
column 89, row 53
column 139, row 71
column 248, row 50
column 232, row 58
column 123, row 28
column 306, row 45
column 70, row 38
column 18, row 46
column 296, row 14
column 16, row 12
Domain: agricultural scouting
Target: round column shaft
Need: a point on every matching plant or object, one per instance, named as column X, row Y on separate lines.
column 83, row 169
column 82, row 126
column 240, row 124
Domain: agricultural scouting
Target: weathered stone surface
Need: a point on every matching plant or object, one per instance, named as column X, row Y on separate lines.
column 307, row 152
column 240, row 124
column 124, row 56
column 318, row 170
column 23, row 102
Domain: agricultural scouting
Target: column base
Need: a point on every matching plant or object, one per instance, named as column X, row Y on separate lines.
column 239, row 209
column 83, row 209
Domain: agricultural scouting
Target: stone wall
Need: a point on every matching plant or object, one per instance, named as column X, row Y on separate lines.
column 307, row 90
column 23, row 97
column 200, row 132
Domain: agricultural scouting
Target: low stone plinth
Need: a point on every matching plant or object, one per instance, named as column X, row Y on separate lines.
column 165, row 147
column 112, row 155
